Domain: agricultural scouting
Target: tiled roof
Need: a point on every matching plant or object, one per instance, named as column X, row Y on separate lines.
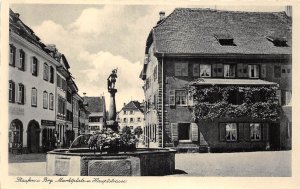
column 193, row 31
column 133, row 105
column 94, row 104
column 207, row 81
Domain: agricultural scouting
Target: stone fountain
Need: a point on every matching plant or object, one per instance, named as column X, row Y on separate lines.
column 85, row 162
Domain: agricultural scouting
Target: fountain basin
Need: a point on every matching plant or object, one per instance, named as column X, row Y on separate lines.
column 83, row 162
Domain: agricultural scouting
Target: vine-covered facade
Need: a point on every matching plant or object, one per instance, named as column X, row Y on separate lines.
column 211, row 89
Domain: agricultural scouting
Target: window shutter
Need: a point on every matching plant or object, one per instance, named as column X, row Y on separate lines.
column 17, row 93
column 194, row 132
column 265, row 131
column 24, row 94
column 174, row 128
column 263, row 71
column 277, row 71
column 220, row 70
column 241, row 131
column 240, row 71
column 172, row 97
column 13, row 91
column 31, row 65
column 247, row 131
column 196, row 71
column 222, row 131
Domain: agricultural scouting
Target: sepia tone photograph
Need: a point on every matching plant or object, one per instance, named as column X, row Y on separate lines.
column 166, row 90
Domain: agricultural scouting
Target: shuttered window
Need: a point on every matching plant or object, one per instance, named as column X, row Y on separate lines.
column 21, row 94
column 196, row 71
column 255, row 132
column 12, row 55
column 172, row 97
column 21, row 60
column 34, row 66
column 194, row 127
column 205, row 70
column 253, row 71
column 242, row 70
column 231, row 132
column 174, row 130
column 11, row 91
column 34, row 97
column 45, row 100
column 263, row 71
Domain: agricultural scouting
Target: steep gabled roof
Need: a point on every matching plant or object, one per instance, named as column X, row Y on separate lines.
column 94, row 104
column 133, row 105
column 193, row 31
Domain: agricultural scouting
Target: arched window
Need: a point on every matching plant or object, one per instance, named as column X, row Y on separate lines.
column 51, row 101
column 16, row 134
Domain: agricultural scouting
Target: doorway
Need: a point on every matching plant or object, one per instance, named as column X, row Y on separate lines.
column 274, row 136
column 33, row 137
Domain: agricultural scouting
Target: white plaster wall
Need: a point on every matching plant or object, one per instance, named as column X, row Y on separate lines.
column 26, row 111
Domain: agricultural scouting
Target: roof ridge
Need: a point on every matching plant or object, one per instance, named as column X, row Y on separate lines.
column 231, row 11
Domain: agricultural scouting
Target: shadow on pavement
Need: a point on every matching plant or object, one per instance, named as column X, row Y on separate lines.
column 179, row 172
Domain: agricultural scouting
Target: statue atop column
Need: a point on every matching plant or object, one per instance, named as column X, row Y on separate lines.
column 111, row 87
column 111, row 80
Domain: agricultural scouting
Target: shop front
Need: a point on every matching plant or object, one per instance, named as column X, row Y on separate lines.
column 48, row 135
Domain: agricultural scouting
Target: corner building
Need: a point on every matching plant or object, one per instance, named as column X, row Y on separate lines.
column 32, row 89
column 226, row 50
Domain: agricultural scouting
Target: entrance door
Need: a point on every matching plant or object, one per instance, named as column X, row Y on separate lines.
column 274, row 136
column 33, row 137
column 184, row 131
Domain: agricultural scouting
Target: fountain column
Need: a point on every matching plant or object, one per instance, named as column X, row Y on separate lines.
column 112, row 114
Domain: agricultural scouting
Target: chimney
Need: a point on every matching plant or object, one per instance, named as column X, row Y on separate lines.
column 288, row 10
column 84, row 94
column 161, row 15
column 124, row 104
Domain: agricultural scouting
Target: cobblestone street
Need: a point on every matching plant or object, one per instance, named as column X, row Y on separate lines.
column 260, row 164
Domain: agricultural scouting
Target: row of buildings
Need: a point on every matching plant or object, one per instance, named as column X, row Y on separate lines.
column 213, row 52
column 45, row 109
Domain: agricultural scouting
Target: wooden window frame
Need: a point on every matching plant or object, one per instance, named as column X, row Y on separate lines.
column 32, row 97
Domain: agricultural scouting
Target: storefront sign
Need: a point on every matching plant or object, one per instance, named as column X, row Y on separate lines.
column 48, row 123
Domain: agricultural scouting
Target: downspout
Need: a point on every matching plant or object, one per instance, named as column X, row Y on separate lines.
column 162, row 104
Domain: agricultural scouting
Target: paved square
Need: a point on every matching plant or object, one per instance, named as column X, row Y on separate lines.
column 248, row 164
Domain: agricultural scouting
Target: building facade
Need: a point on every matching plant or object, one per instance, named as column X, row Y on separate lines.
column 97, row 112
column 32, row 89
column 222, row 55
column 131, row 115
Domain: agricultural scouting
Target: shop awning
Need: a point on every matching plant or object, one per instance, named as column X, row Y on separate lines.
column 241, row 82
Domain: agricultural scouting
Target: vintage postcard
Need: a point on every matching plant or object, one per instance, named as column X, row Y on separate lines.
column 147, row 94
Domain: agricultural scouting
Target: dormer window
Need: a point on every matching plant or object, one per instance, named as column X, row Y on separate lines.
column 278, row 41
column 225, row 39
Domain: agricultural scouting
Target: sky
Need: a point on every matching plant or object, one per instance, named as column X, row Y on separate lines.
column 98, row 38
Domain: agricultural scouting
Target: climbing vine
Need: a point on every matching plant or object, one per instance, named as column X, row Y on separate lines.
column 258, row 102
